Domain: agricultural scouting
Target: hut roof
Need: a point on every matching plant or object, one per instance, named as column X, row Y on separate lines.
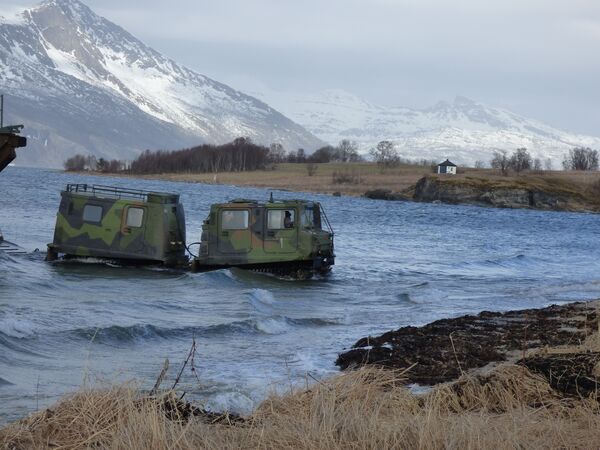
column 447, row 163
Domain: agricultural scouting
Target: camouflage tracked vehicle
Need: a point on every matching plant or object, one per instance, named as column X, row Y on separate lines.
column 281, row 237
column 119, row 224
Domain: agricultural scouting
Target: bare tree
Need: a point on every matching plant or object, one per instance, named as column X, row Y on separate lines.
column 323, row 155
column 75, row 163
column 479, row 164
column 385, row 155
column 348, row 150
column 300, row 156
column 581, row 158
column 548, row 164
column 276, row 152
column 500, row 161
column 520, row 160
column 537, row 164
column 311, row 168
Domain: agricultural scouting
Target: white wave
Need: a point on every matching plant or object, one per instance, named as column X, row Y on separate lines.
column 231, row 401
column 93, row 260
column 272, row 325
column 262, row 300
column 17, row 327
column 308, row 361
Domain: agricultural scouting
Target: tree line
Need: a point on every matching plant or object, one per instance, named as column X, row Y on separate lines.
column 244, row 155
column 345, row 151
column 239, row 155
column 578, row 158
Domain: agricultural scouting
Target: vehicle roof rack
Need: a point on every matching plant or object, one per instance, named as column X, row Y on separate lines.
column 99, row 190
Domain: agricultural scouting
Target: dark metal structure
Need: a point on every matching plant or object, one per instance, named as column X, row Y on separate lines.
column 9, row 139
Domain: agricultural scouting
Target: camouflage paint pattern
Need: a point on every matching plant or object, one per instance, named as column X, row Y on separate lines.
column 257, row 244
column 160, row 238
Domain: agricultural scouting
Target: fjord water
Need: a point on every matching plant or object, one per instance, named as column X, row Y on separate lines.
column 63, row 325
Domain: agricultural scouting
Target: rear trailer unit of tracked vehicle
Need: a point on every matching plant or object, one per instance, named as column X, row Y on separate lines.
column 291, row 237
column 126, row 225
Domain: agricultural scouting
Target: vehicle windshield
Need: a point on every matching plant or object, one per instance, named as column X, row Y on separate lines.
column 311, row 217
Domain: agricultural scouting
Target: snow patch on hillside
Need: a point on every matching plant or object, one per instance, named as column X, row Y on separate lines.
column 464, row 130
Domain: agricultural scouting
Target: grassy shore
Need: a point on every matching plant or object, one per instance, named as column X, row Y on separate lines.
column 355, row 179
column 504, row 406
column 294, row 177
column 364, row 409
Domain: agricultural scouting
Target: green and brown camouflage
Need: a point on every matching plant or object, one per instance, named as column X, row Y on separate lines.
column 120, row 224
column 277, row 236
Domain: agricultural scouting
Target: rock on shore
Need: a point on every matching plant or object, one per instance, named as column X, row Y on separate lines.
column 497, row 194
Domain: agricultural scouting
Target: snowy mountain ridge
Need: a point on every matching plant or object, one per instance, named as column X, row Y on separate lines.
column 463, row 130
column 65, row 63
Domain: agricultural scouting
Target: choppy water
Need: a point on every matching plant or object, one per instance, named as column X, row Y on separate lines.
column 397, row 264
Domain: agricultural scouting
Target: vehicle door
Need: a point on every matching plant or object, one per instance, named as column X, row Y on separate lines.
column 233, row 229
column 133, row 225
column 281, row 233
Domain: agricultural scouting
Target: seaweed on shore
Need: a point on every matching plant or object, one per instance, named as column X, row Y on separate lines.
column 443, row 350
column 571, row 374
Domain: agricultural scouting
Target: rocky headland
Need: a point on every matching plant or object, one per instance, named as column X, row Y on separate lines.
column 526, row 191
column 516, row 192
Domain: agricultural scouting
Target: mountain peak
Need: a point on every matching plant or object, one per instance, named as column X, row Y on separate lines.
column 75, row 4
column 58, row 13
column 461, row 102
column 89, row 75
column 74, row 7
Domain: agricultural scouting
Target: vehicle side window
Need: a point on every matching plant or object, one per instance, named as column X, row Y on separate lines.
column 92, row 213
column 234, row 219
column 279, row 219
column 135, row 217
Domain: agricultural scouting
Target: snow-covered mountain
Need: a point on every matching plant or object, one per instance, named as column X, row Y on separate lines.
column 464, row 131
column 83, row 84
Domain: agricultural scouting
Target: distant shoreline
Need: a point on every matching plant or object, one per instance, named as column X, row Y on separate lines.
column 348, row 179
column 552, row 190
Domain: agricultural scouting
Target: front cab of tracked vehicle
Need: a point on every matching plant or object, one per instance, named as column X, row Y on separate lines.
column 127, row 225
column 278, row 236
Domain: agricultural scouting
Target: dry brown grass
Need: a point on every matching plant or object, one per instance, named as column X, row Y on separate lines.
column 402, row 179
column 295, row 177
column 363, row 409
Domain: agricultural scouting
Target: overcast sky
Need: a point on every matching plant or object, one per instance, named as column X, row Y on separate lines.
column 539, row 58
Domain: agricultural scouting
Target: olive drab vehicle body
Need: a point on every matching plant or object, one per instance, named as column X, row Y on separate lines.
column 283, row 237
column 119, row 224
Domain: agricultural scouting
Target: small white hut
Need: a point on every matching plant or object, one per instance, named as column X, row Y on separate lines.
column 447, row 167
